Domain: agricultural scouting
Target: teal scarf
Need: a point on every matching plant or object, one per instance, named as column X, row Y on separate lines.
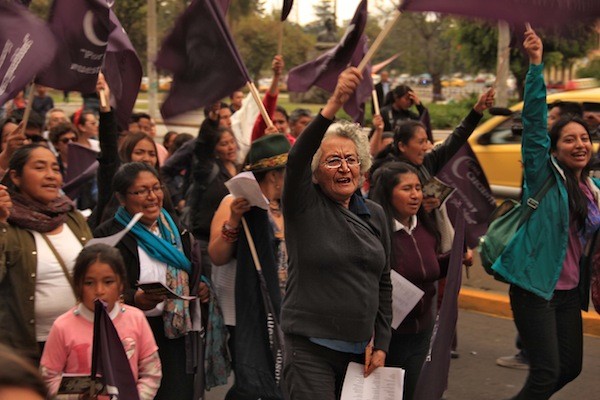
column 168, row 250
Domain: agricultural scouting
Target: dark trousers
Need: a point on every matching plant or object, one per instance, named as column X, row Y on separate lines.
column 552, row 334
column 314, row 372
column 408, row 351
column 176, row 384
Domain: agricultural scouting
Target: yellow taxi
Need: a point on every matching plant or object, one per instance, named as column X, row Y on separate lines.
column 453, row 82
column 498, row 146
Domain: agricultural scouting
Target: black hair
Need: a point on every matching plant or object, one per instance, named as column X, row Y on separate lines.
column 127, row 174
column 567, row 108
column 403, row 133
column 96, row 253
column 282, row 111
column 383, row 183
column 61, row 129
column 578, row 202
column 19, row 159
column 299, row 113
column 400, row 91
column 168, row 136
column 83, row 116
column 129, row 143
column 17, row 372
column 179, row 141
column 135, row 117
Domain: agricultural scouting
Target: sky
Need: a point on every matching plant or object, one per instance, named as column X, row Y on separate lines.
column 303, row 12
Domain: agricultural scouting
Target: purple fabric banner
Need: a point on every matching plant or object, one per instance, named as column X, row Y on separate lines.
column 433, row 379
column 109, row 360
column 203, row 58
column 224, row 4
column 537, row 12
column 473, row 196
column 123, row 71
column 82, row 28
column 325, row 69
column 27, row 46
column 286, row 8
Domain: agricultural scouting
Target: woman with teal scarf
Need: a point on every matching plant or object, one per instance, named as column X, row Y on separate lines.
column 155, row 251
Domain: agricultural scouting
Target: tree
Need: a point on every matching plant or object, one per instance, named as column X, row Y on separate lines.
column 561, row 48
column 255, row 38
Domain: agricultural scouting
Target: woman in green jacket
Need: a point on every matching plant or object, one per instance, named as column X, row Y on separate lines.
column 546, row 261
column 40, row 238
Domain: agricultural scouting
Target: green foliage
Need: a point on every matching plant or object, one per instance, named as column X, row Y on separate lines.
column 478, row 44
column 592, row 70
column 256, row 38
column 448, row 116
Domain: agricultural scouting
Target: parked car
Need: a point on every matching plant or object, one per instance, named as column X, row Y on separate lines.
column 497, row 143
column 453, row 82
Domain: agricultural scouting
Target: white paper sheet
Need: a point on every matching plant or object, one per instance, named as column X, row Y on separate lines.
column 385, row 383
column 112, row 240
column 244, row 185
column 405, row 296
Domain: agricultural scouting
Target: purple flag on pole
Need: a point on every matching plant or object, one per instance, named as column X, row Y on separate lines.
column 286, row 8
column 26, row 47
column 123, row 71
column 433, row 379
column 537, row 12
column 473, row 197
column 224, row 6
column 109, row 361
column 325, row 69
column 82, row 28
column 203, row 58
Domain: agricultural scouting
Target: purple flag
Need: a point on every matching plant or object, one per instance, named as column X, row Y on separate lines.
column 203, row 58
column 26, row 47
column 224, row 4
column 537, row 12
column 473, row 196
column 433, row 379
column 355, row 106
column 82, row 28
column 325, row 69
column 286, row 8
column 109, row 361
column 123, row 71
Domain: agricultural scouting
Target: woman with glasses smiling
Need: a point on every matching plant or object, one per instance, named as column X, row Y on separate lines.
column 338, row 295
column 155, row 251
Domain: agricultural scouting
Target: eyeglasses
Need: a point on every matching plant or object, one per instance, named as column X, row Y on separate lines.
column 157, row 190
column 336, row 162
column 67, row 140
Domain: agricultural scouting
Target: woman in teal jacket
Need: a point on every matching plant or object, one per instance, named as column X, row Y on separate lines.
column 546, row 261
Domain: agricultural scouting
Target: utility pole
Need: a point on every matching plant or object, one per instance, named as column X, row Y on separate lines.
column 503, row 64
column 151, row 56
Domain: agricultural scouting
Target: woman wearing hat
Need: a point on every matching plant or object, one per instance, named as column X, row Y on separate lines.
column 252, row 357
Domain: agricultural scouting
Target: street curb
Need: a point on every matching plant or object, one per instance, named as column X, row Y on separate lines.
column 498, row 305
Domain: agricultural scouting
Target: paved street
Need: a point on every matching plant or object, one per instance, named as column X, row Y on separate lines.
column 475, row 376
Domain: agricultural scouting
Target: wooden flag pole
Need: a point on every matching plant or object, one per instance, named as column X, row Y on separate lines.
column 103, row 99
column 28, row 106
column 257, row 264
column 280, row 39
column 375, row 102
column 379, row 40
column 259, row 103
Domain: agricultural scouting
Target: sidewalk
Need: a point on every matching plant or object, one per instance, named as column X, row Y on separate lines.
column 482, row 293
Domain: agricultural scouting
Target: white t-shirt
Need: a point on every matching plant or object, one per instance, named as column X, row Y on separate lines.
column 53, row 293
column 152, row 270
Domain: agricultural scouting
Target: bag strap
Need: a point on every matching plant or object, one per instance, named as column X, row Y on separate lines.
column 61, row 262
column 533, row 202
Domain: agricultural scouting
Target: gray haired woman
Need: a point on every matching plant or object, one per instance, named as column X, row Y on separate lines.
column 338, row 294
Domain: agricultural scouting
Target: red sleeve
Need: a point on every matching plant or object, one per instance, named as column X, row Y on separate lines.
column 270, row 102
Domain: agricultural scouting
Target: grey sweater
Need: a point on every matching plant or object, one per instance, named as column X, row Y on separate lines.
column 339, row 272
